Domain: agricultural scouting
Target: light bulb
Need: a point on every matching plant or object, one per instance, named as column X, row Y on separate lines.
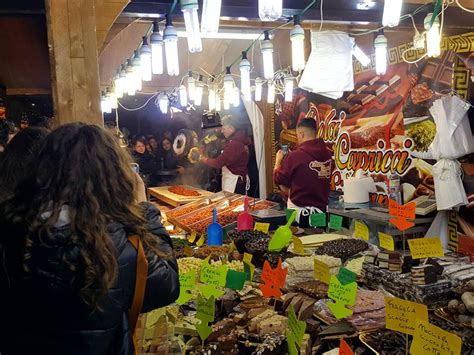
column 145, row 59
column 191, row 21
column 271, row 92
column 104, row 104
column 156, row 43
column 258, row 89
column 170, row 37
column 137, row 72
column 391, row 12
column 380, row 44
column 198, row 93
column 211, row 12
column 164, row 104
column 433, row 37
column 267, row 53
column 218, row 103
column 191, row 87
column 297, row 46
column 236, row 97
column 118, row 84
column 270, row 10
column 228, row 88
column 245, row 77
column 212, row 98
column 131, row 82
column 183, row 97
column 289, row 83
column 360, row 55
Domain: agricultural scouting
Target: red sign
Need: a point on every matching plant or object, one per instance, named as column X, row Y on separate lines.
column 274, row 280
column 401, row 214
column 344, row 348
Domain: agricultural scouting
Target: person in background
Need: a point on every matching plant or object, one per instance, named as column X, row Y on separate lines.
column 18, row 157
column 234, row 158
column 7, row 131
column 170, row 161
column 40, row 121
column 153, row 146
column 168, row 134
column 305, row 173
column 147, row 162
column 68, row 269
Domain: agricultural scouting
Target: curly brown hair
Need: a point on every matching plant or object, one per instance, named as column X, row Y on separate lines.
column 82, row 167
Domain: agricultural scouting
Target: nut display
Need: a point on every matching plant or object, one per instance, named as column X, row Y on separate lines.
column 342, row 248
column 215, row 252
column 242, row 237
column 189, row 263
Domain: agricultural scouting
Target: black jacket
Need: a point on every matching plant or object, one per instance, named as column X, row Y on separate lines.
column 44, row 314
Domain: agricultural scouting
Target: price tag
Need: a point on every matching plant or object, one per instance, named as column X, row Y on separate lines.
column 361, row 230
column 342, row 295
column 344, row 348
column 231, row 247
column 262, row 227
column 425, row 248
column 192, row 237
column 335, row 222
column 386, row 241
column 346, row 276
column 235, row 279
column 402, row 214
column 317, row 220
column 211, row 275
column 249, row 268
column 321, row 271
column 187, row 282
column 430, row 339
column 295, row 326
column 201, row 241
column 401, row 315
column 274, row 280
column 298, row 247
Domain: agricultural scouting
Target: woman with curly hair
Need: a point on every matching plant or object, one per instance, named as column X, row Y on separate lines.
column 68, row 268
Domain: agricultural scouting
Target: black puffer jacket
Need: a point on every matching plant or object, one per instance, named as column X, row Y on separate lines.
column 44, row 314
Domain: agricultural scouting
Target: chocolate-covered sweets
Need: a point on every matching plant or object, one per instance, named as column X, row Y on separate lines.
column 342, row 248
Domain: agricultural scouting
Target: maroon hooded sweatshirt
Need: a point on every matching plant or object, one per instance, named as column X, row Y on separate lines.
column 306, row 171
column 235, row 155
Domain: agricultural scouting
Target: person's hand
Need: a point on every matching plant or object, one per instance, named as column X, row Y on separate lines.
column 279, row 158
column 202, row 158
column 180, row 169
column 140, row 190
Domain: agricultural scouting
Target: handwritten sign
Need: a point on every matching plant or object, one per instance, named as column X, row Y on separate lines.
column 402, row 214
column 430, row 339
column 344, row 348
column 192, row 237
column 249, row 268
column 346, row 276
column 361, row 230
column 335, row 222
column 187, row 282
column 321, row 271
column 425, row 248
column 211, row 275
column 317, row 220
column 386, row 241
column 298, row 247
column 342, row 295
column 205, row 313
column 235, row 280
column 401, row 315
column 262, row 227
column 295, row 326
column 274, row 280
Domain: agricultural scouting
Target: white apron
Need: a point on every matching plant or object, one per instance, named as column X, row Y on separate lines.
column 229, row 180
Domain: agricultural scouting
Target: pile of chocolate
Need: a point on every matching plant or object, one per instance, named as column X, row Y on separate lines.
column 241, row 238
column 342, row 248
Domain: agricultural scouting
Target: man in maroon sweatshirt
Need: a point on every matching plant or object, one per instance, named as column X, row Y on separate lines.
column 305, row 173
column 234, row 157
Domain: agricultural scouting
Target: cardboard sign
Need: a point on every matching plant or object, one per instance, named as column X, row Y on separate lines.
column 386, row 241
column 249, row 268
column 192, row 237
column 187, row 282
column 430, row 339
column 288, row 213
column 215, row 276
column 321, row 271
column 291, row 340
column 346, row 276
column 295, row 326
column 361, row 230
column 342, row 295
column 298, row 247
column 401, row 315
column 235, row 279
column 274, row 280
column 201, row 241
column 401, row 214
column 344, row 348
column 262, row 227
column 335, row 222
column 317, row 220
column 231, row 247
column 205, row 309
column 425, row 248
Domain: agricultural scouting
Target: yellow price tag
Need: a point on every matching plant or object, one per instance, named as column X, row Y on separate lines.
column 262, row 227
column 361, row 230
column 231, row 247
column 201, row 241
column 430, row 339
column 298, row 247
column 248, row 258
column 386, row 241
column 425, row 248
column 401, row 315
column 192, row 237
column 321, row 271
column 188, row 251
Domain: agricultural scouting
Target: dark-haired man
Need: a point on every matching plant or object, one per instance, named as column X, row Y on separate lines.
column 305, row 173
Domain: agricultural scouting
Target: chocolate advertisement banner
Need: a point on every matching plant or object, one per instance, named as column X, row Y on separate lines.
column 384, row 125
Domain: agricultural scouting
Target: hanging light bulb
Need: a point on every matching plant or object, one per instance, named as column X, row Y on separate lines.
column 380, row 44
column 228, row 88
column 212, row 98
column 270, row 10
column 191, row 86
column 297, row 45
column 118, row 84
column 170, row 37
column 199, row 91
column 145, row 59
column 258, row 89
column 245, row 77
column 191, row 21
column 137, row 71
column 156, row 43
column 218, row 103
column 211, row 13
column 360, row 55
column 271, row 92
column 104, row 104
column 183, row 97
column 267, row 53
column 433, row 36
column 236, row 97
column 131, row 82
column 289, row 83
column 164, row 104
column 391, row 12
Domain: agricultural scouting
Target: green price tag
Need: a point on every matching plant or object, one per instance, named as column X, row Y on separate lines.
column 289, row 212
column 346, row 276
column 317, row 220
column 335, row 222
column 235, row 279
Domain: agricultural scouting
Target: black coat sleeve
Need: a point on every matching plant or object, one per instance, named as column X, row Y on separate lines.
column 162, row 286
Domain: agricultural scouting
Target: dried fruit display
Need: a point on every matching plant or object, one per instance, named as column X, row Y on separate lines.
column 183, row 191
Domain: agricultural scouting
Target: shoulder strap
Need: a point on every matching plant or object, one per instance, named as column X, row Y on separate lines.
column 140, row 282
